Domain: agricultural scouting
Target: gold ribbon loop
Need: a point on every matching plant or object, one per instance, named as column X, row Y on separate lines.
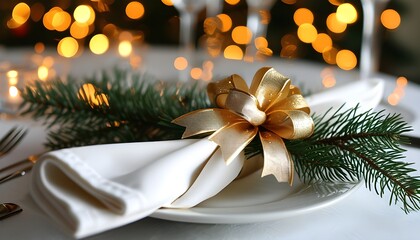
column 271, row 107
column 269, row 87
column 245, row 105
column 219, row 91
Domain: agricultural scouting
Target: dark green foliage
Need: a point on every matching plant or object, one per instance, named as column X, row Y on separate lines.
column 346, row 146
column 140, row 109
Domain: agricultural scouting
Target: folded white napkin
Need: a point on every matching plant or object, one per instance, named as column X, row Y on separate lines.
column 88, row 190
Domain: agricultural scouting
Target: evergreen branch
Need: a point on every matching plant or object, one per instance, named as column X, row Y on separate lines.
column 367, row 146
column 346, row 145
column 123, row 109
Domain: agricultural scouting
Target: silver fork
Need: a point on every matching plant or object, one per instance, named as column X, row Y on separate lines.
column 11, row 140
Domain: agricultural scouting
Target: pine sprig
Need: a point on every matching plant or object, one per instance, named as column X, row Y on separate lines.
column 127, row 109
column 347, row 146
column 351, row 146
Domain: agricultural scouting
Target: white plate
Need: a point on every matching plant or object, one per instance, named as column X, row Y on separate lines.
column 255, row 199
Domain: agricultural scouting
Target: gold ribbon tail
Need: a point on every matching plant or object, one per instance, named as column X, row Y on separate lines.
column 277, row 160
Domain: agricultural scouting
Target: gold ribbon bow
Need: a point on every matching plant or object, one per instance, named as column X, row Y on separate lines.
column 271, row 107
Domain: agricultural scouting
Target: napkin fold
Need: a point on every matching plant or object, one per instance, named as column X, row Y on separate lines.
column 88, row 190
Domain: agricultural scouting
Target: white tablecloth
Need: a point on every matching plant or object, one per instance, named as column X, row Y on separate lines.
column 361, row 215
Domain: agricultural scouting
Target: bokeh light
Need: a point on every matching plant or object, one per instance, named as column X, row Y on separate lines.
column 39, row 47
column 180, row 63
column 307, row 33
column 134, row 10
column 330, row 55
column 21, row 13
column 43, row 72
column 241, row 35
column 334, row 25
column 232, row 2
column 346, row 13
column 390, row 19
column 261, row 42
column 79, row 30
column 84, row 14
column 167, row 2
column 61, row 21
column 99, row 44
column 322, row 43
column 196, row 73
column 67, row 47
column 233, row 52
column 13, row 91
column 226, row 22
column 303, row 15
column 346, row 59
column 125, row 48
column 290, row 2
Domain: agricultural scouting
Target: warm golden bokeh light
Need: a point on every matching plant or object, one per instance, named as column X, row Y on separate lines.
column 180, row 63
column 68, row 47
column 21, row 13
column 330, row 55
column 61, row 21
column 84, row 14
column 79, row 30
column 47, row 20
column 134, row 10
column 290, row 2
column 48, row 61
column 167, row 2
column 12, row 74
column 402, row 81
column 346, row 13
column 303, row 15
column 43, row 73
column 88, row 93
column 13, row 91
column 232, row 2
column 328, row 78
column 196, row 73
column 390, row 19
column 233, row 52
column 307, row 33
column 336, row 2
column 261, row 42
column 393, row 99
column 125, row 36
column 226, row 22
column 241, row 35
column 334, row 25
column 322, row 42
column 39, row 47
column 99, row 44
column 125, row 48
column 346, row 59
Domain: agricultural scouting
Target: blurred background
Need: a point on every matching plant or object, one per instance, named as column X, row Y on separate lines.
column 296, row 29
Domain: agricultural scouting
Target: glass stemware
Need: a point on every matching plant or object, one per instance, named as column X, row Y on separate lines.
column 369, row 55
column 213, row 7
column 256, row 22
column 188, row 10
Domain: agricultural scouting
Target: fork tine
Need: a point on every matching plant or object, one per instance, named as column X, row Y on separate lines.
column 11, row 140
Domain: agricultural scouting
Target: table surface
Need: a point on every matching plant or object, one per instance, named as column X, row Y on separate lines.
column 361, row 215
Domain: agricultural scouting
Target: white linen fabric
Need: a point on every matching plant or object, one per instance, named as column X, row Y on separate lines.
column 88, row 190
